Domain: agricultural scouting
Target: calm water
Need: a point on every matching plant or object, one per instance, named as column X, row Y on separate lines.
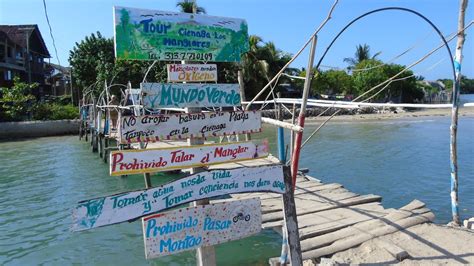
column 42, row 179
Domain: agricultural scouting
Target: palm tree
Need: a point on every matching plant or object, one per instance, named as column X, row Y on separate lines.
column 362, row 53
column 261, row 63
column 187, row 6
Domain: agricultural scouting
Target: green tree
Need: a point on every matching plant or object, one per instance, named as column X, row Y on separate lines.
column 261, row 63
column 332, row 82
column 187, row 6
column 467, row 85
column 404, row 89
column 93, row 61
column 364, row 80
column 88, row 57
column 362, row 53
column 16, row 102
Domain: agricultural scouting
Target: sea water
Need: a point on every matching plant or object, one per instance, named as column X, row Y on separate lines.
column 42, row 179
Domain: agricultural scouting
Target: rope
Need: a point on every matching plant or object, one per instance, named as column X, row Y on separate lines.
column 51, row 31
column 390, row 80
column 295, row 56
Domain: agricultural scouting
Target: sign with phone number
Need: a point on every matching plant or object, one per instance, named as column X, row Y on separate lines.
column 161, row 35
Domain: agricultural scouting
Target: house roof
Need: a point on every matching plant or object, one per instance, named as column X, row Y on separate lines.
column 16, row 34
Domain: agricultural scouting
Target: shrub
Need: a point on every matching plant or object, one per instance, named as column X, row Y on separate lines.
column 16, row 102
column 55, row 111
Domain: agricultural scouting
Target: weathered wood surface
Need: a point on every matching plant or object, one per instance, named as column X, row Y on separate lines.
column 332, row 218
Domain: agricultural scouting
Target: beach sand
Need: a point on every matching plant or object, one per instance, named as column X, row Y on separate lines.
column 418, row 114
column 426, row 244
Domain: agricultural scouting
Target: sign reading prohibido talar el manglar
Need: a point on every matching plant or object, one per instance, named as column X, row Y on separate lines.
column 182, row 95
column 131, row 205
column 207, row 225
column 161, row 35
column 191, row 72
column 179, row 126
column 126, row 162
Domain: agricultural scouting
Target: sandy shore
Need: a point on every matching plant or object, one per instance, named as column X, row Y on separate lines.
column 424, row 113
column 426, row 244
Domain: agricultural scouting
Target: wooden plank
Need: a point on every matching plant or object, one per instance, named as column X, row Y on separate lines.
column 323, row 240
column 311, row 201
column 268, row 196
column 184, row 125
column 193, row 227
column 165, row 159
column 362, row 236
column 342, row 203
column 314, row 222
column 161, row 95
column 397, row 252
column 132, row 205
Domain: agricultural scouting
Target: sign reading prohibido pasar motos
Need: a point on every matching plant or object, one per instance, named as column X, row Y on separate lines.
column 162, row 35
column 189, row 228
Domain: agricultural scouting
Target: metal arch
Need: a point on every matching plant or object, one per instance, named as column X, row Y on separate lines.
column 392, row 8
column 455, row 103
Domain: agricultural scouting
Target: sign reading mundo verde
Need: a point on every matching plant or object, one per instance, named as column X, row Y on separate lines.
column 127, row 206
column 182, row 95
column 180, row 126
column 161, row 35
column 200, row 226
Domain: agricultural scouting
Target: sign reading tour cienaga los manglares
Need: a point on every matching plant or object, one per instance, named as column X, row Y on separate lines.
column 193, row 227
column 179, row 126
column 182, row 95
column 191, row 72
column 160, row 35
column 131, row 205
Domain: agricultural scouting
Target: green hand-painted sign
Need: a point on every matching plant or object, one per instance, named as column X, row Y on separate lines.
column 158, row 35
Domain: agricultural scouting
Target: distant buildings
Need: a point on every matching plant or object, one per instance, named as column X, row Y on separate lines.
column 435, row 92
column 22, row 54
column 58, row 79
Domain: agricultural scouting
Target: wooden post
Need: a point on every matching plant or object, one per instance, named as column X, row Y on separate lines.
column 299, row 135
column 454, row 115
column 281, row 134
column 291, row 220
column 292, row 136
column 240, row 78
column 205, row 256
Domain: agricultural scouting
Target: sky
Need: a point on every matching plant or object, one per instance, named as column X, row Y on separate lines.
column 289, row 24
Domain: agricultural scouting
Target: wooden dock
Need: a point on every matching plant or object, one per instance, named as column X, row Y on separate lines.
column 331, row 218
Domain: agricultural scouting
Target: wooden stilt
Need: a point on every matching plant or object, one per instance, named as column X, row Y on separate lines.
column 454, row 115
column 301, row 118
column 291, row 221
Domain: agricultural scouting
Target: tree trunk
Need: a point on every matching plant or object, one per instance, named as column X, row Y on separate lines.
column 454, row 114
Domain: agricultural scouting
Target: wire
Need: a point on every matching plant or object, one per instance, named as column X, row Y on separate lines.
column 51, row 32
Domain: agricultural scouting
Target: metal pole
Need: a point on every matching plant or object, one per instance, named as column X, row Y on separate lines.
column 454, row 115
column 301, row 118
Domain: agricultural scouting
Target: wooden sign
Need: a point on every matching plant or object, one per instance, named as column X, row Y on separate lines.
column 163, row 159
column 182, row 95
column 127, row 206
column 163, row 35
column 179, row 126
column 200, row 226
column 192, row 72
